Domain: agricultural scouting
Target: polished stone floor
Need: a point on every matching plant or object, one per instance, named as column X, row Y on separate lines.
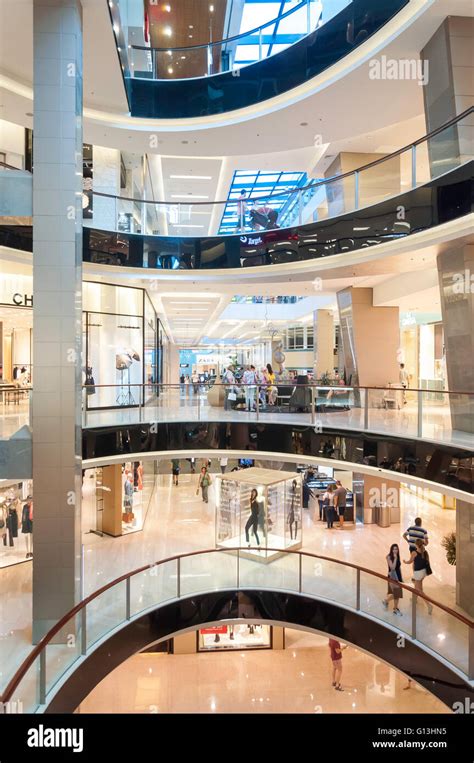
column 294, row 680
column 178, row 522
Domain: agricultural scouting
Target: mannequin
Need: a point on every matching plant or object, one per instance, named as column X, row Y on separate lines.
column 27, row 526
column 123, row 360
column 12, row 522
column 293, row 514
column 128, row 498
column 3, row 525
column 252, row 521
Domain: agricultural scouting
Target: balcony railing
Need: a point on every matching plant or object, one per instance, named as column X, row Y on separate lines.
column 143, row 590
column 427, row 158
column 219, row 56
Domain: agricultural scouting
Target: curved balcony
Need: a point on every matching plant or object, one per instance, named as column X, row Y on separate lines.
column 386, row 444
column 206, row 93
column 185, row 592
column 417, row 188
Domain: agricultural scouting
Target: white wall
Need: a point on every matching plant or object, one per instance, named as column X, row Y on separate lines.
column 12, row 142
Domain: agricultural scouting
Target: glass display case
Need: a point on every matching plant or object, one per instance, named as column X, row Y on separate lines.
column 259, row 509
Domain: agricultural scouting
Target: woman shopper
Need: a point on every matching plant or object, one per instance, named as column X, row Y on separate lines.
column 272, row 390
column 395, row 591
column 328, row 503
column 204, row 482
column 420, row 560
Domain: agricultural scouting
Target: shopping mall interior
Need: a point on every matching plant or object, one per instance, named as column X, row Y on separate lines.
column 236, row 357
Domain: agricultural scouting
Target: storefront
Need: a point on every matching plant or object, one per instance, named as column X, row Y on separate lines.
column 16, row 522
column 16, row 328
column 124, row 346
column 422, row 350
column 116, row 498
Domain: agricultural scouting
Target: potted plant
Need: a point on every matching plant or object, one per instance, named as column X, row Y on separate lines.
column 449, row 544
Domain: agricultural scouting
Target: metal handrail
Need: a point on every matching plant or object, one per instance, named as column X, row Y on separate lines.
column 47, row 638
column 240, row 36
column 281, row 383
column 318, row 183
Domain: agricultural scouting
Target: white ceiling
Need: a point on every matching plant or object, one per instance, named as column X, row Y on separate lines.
column 352, row 105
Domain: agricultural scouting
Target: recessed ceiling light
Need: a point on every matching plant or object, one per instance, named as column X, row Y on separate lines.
column 188, row 196
column 167, row 31
column 170, row 70
column 191, row 26
column 191, row 177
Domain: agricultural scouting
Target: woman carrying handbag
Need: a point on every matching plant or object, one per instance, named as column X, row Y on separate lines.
column 420, row 560
column 395, row 591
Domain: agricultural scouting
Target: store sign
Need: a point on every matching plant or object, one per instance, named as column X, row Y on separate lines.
column 214, row 629
column 22, row 300
column 16, row 290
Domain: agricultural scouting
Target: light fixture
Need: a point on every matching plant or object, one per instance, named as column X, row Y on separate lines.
column 167, row 8
column 188, row 196
column 211, row 9
column 170, row 70
column 190, row 177
column 183, row 58
column 116, row 28
column 167, row 31
column 169, row 52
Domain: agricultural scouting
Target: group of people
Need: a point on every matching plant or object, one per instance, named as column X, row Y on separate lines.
column 332, row 505
column 261, row 216
column 417, row 539
column 254, row 382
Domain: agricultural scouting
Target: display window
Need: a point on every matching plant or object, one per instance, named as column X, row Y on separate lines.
column 121, row 335
column 259, row 509
column 222, row 638
column 16, row 522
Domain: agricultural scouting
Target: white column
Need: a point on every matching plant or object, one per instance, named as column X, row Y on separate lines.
column 57, row 326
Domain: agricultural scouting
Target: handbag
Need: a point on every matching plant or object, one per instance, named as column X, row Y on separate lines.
column 232, row 396
column 429, row 571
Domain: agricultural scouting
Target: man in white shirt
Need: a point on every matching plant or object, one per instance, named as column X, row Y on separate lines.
column 249, row 379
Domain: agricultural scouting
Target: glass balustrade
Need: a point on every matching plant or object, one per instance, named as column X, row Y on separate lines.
column 436, row 628
column 320, row 199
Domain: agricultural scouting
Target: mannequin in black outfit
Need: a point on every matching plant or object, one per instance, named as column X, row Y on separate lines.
column 252, row 521
column 291, row 514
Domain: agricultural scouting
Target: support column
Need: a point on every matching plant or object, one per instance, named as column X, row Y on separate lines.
column 57, row 316
column 449, row 91
column 370, row 338
column 323, row 332
column 456, row 284
column 465, row 556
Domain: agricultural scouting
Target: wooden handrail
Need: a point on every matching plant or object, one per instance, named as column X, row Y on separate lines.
column 28, row 662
